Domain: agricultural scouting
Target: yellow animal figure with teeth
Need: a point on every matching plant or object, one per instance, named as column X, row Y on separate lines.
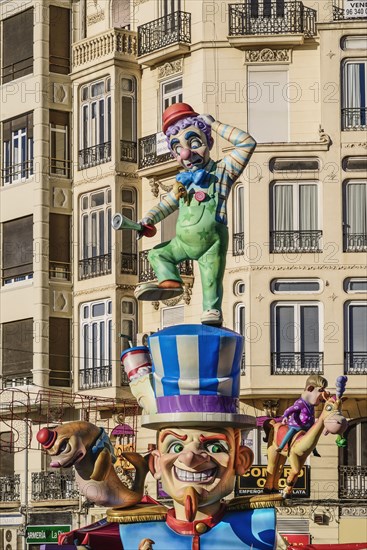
column 88, row 448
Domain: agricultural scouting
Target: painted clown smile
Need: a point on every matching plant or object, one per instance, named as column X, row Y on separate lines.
column 205, row 476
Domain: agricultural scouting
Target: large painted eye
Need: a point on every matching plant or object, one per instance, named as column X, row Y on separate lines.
column 175, row 447
column 64, row 446
column 177, row 149
column 217, row 447
column 195, row 143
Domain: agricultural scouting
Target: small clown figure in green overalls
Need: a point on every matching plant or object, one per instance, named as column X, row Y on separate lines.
column 200, row 193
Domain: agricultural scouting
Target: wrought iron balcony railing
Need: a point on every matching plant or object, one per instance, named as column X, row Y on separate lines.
column 253, row 18
column 353, row 482
column 10, row 488
column 238, row 244
column 113, row 43
column 165, row 31
column 355, row 362
column 95, row 377
column 146, row 272
column 148, row 155
column 295, row 241
column 17, row 172
column 340, row 13
column 94, row 267
column 124, row 377
column 53, row 486
column 18, row 380
column 92, row 156
column 297, row 363
column 128, row 151
column 354, row 118
column 355, row 242
column 129, row 263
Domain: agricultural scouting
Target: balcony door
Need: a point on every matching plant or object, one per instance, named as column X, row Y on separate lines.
column 356, row 338
column 354, row 111
column 355, row 216
column 353, row 461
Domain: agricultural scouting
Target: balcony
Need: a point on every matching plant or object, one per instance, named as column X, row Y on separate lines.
column 355, row 362
column 114, row 44
column 53, row 486
column 297, row 363
column 354, row 119
column 163, row 38
column 93, row 156
column 146, row 273
column 9, row 488
column 95, row 377
column 342, row 14
column 355, row 242
column 94, row 267
column 129, row 263
column 17, row 70
column 149, row 154
column 128, row 151
column 238, row 244
column 15, row 173
column 295, row 241
column 60, row 271
column 284, row 23
column 353, row 482
column 20, row 379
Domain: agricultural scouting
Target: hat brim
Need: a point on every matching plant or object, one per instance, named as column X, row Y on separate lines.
column 175, row 118
column 202, row 419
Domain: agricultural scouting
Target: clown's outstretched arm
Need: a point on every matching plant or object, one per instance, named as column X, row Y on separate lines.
column 244, row 145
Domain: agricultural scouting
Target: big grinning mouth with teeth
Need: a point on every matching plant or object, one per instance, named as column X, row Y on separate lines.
column 206, row 476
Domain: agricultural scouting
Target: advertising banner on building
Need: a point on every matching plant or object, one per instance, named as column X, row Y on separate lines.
column 253, row 481
column 353, row 9
column 38, row 534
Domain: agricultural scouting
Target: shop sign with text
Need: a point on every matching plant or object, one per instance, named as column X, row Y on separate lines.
column 253, row 481
column 39, row 534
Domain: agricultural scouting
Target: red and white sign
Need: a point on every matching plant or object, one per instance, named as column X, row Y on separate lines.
column 297, row 539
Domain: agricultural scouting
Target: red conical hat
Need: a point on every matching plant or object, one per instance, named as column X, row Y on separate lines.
column 175, row 112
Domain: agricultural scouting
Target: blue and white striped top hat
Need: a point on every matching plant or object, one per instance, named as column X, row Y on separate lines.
column 196, row 376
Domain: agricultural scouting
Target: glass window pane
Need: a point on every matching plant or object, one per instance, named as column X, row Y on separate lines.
column 309, row 329
column 127, row 307
column 358, row 328
column 98, row 309
column 97, row 89
column 296, row 286
column 363, row 443
column 127, row 105
column 357, row 286
column 97, row 199
column 285, row 329
column 127, row 195
column 127, row 85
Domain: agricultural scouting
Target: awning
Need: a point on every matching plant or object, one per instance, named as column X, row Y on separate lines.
column 123, row 429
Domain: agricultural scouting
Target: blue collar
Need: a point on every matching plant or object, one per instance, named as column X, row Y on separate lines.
column 103, row 442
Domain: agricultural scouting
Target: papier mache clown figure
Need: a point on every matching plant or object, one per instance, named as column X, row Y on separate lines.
column 200, row 193
column 191, row 400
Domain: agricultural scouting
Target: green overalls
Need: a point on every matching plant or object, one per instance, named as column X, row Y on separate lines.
column 198, row 237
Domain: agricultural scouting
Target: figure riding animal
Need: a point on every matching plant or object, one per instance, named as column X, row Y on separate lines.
column 88, row 448
column 303, row 443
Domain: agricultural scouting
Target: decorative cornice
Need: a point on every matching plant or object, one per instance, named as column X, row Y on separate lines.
column 137, row 2
column 268, row 55
column 170, row 68
column 126, row 287
column 357, row 144
column 95, row 18
column 155, row 185
column 354, row 511
column 293, row 511
column 106, row 288
column 316, row 267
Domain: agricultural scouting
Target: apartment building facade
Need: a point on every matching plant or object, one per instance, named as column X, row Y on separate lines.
column 81, row 140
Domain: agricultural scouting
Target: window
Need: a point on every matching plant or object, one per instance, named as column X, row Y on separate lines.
column 296, row 338
column 267, row 8
column 59, row 237
column 355, row 216
column 17, row 46
column 296, row 286
column 59, row 40
column 95, row 124
column 7, row 460
column 59, row 352
column 171, row 316
column 353, row 461
column 240, row 327
column 279, row 164
column 353, row 285
column 128, row 119
column 96, row 344
column 356, row 338
column 17, row 250
column 59, row 144
column 357, row 42
column 129, row 243
column 129, row 323
column 17, row 149
column 295, row 220
column 239, row 288
column 95, row 230
column 171, row 93
column 354, row 95
column 168, row 7
column 238, row 221
column 120, row 14
column 267, row 100
column 355, row 164
column 17, row 352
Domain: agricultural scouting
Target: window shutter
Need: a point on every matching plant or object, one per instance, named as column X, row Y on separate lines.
column 17, row 346
column 18, row 45
column 59, row 349
column 18, row 247
column 172, row 316
column 59, row 40
column 59, row 238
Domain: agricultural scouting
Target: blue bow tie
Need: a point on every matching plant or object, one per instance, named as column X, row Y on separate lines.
column 197, row 177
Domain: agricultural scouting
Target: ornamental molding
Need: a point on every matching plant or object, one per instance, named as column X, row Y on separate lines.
column 170, row 68
column 358, row 511
column 362, row 144
column 185, row 297
column 131, row 175
column 296, row 268
column 137, row 2
column 95, row 18
column 95, row 289
column 268, row 55
column 155, row 185
column 126, row 287
column 293, row 511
